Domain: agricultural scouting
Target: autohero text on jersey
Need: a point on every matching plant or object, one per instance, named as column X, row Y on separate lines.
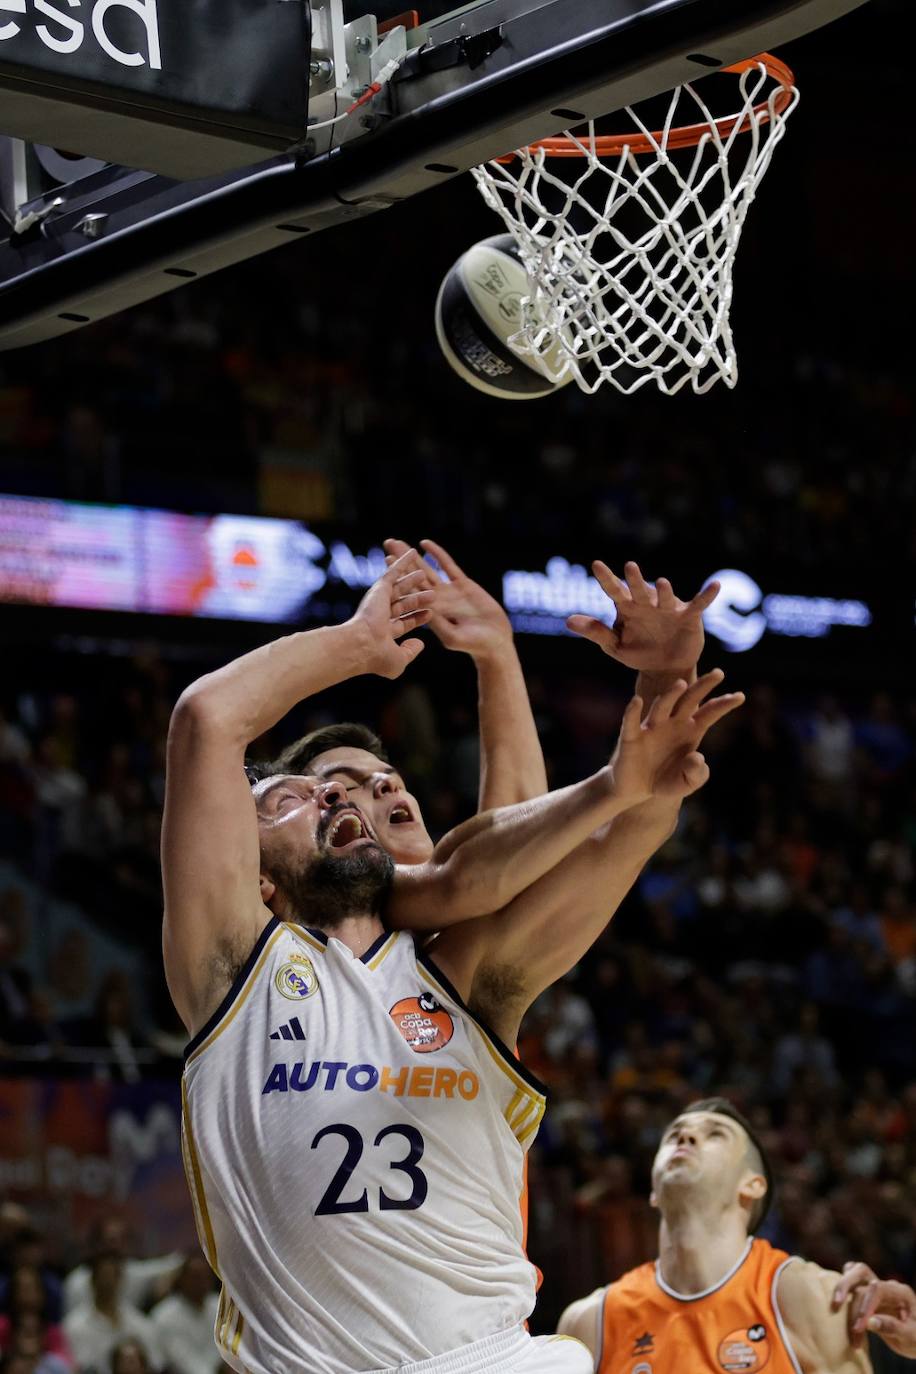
column 407, row 1081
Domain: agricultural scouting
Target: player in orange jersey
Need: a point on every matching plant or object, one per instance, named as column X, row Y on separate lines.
column 718, row 1300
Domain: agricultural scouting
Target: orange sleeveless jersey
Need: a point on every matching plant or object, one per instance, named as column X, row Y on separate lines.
column 734, row 1328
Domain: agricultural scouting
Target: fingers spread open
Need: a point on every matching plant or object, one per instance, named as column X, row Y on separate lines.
column 698, row 690
column 663, row 706
column 639, row 587
column 595, row 630
column 611, row 584
column 403, row 624
column 407, row 562
column 667, row 601
column 630, row 727
column 695, row 771
column 412, row 601
column 411, row 647
column 712, row 711
column 705, row 597
column 443, row 558
column 410, row 582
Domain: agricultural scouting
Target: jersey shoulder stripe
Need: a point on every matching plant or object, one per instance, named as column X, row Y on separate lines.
column 512, row 1066
column 780, row 1323
column 235, row 997
column 191, row 1162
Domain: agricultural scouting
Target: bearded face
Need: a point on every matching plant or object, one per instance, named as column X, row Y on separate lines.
column 320, row 852
column 325, row 889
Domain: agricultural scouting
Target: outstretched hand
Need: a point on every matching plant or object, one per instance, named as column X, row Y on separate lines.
column 659, row 757
column 465, row 617
column 884, row 1306
column 400, row 601
column 655, row 632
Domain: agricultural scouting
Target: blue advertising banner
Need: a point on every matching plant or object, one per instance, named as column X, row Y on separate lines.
column 72, row 1151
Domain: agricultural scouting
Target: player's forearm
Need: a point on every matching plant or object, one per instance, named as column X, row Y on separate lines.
column 481, row 865
column 548, row 928
column 249, row 695
column 511, row 761
column 652, row 685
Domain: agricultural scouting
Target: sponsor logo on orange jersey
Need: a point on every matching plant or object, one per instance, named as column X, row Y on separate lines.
column 745, row 1351
column 424, row 1024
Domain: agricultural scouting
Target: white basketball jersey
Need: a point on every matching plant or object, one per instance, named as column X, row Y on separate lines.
column 355, row 1144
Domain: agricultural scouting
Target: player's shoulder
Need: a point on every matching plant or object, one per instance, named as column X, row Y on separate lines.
column 800, row 1281
column 582, row 1319
column 586, row 1304
column 634, row 1281
column 763, row 1263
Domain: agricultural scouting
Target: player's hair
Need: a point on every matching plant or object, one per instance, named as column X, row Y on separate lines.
column 757, row 1154
column 297, row 756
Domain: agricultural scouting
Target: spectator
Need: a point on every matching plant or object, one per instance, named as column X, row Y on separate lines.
column 803, row 1049
column 25, row 1320
column 185, row 1320
column 94, row 1328
column 112, row 1029
column 831, row 744
column 142, row 1281
column 129, row 1357
column 26, row 1343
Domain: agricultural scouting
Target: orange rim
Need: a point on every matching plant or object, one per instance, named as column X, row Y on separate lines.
column 688, row 135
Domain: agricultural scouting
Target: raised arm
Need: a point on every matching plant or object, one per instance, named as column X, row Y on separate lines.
column 469, row 620
column 544, row 931
column 662, row 638
column 493, row 857
column 210, row 850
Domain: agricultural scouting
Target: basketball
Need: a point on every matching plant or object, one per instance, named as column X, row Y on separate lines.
column 478, row 309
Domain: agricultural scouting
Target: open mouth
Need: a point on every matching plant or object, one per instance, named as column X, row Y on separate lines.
column 400, row 815
column 346, row 831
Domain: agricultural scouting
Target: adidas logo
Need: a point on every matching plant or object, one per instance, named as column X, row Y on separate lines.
column 292, row 1030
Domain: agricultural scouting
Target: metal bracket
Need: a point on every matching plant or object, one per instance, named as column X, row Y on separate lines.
column 25, row 219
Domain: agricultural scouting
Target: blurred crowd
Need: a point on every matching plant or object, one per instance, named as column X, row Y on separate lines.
column 768, row 953
column 110, row 1314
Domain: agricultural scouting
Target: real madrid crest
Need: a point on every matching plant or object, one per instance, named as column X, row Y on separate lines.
column 297, row 978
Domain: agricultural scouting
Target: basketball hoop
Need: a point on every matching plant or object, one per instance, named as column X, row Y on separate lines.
column 631, row 259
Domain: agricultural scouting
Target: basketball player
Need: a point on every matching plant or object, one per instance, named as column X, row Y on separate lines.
column 466, row 619
column 353, row 1135
column 717, row 1299
column 655, row 633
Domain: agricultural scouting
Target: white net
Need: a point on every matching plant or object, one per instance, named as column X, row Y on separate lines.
column 630, row 257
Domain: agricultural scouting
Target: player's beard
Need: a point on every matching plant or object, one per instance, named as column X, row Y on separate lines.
column 326, row 890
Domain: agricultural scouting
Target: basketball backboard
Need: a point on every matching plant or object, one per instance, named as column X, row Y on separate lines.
column 463, row 85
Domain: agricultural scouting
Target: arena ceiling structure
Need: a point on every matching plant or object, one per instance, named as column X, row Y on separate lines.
column 146, row 143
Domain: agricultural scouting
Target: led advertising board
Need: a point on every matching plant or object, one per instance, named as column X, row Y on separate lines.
column 253, row 568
